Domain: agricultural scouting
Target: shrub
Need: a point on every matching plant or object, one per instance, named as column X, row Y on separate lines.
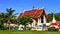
column 28, row 28
column 53, row 29
column 57, row 29
column 1, row 27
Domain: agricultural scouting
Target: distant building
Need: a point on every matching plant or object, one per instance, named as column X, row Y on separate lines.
column 55, row 23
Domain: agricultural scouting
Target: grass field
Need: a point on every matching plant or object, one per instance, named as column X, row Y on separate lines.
column 26, row 32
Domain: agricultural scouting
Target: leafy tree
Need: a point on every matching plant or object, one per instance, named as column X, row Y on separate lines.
column 24, row 20
column 50, row 16
column 8, row 17
column 57, row 16
column 11, row 17
column 2, row 19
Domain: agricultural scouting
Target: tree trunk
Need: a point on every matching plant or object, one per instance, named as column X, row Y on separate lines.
column 24, row 27
column 9, row 26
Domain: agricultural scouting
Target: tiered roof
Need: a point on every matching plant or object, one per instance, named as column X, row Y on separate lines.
column 34, row 13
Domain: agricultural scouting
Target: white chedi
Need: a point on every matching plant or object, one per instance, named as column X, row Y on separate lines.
column 54, row 21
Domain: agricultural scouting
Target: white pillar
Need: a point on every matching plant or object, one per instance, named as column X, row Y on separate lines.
column 32, row 25
column 44, row 20
column 34, row 22
column 29, row 25
column 38, row 21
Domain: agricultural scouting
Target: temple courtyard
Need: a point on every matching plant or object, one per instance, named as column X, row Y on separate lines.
column 27, row 32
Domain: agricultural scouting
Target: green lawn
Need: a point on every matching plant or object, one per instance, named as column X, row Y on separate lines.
column 26, row 32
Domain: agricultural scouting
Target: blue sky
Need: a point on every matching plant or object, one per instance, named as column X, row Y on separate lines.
column 21, row 5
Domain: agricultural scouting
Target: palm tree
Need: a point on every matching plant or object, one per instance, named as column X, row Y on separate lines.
column 25, row 20
column 2, row 19
column 10, row 16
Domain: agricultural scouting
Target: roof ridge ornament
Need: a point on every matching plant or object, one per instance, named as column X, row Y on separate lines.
column 33, row 7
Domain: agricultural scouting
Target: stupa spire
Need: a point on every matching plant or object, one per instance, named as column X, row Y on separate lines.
column 54, row 21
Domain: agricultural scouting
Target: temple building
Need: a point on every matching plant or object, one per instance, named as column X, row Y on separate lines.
column 38, row 16
column 39, row 19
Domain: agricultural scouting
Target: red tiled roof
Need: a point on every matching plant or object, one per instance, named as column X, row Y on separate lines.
column 55, row 24
column 35, row 13
column 20, row 15
column 30, row 13
column 58, row 22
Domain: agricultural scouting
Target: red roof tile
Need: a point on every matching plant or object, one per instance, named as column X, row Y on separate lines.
column 55, row 24
column 35, row 13
column 21, row 14
column 38, row 13
column 58, row 22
